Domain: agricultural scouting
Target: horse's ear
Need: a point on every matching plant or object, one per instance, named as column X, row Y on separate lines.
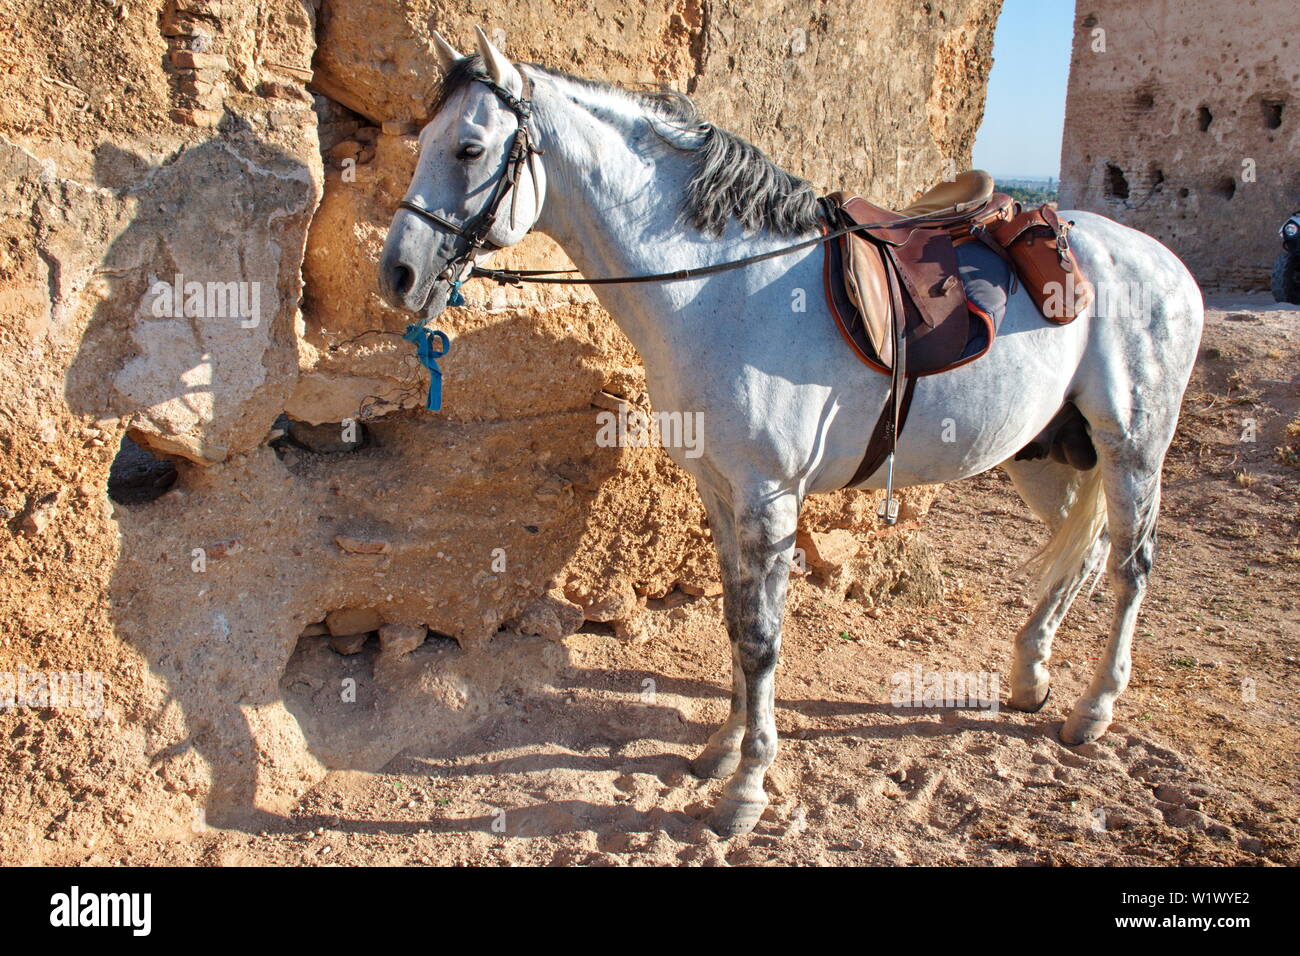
column 447, row 54
column 500, row 70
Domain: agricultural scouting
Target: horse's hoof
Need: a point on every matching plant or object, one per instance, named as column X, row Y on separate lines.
column 1081, row 729
column 714, row 764
column 732, row 818
column 1025, row 702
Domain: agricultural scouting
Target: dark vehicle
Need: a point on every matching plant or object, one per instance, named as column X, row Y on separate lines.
column 1286, row 270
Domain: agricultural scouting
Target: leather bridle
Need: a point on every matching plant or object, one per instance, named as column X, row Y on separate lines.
column 476, row 230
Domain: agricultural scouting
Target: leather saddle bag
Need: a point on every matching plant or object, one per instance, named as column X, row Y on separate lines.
column 1039, row 246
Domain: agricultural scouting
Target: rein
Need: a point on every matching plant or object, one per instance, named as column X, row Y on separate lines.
column 512, row 276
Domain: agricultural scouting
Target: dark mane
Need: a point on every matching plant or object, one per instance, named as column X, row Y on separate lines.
column 733, row 179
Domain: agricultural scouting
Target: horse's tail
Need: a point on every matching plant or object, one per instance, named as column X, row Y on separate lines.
column 1071, row 545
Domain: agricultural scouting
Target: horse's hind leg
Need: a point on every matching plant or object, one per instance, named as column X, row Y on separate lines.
column 1049, row 488
column 1130, row 460
column 761, row 544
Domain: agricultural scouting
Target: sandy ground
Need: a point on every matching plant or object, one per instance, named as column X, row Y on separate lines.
column 1200, row 766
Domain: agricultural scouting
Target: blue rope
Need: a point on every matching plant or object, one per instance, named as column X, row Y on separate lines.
column 424, row 340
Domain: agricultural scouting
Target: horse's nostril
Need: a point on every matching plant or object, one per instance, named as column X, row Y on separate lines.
column 403, row 279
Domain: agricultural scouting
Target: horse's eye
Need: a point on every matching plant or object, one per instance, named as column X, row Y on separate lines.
column 470, row 151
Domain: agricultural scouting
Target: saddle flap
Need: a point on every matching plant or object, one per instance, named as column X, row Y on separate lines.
column 927, row 264
column 867, row 284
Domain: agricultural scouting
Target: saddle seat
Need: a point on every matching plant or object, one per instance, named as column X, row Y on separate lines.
column 965, row 194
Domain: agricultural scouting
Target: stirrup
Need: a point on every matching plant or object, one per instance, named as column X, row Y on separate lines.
column 888, row 509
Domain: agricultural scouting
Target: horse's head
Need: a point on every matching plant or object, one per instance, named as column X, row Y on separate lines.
column 478, row 185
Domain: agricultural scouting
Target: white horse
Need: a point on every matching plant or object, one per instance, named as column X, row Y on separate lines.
column 632, row 184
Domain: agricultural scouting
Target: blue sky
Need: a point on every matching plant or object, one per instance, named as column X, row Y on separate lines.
column 1025, row 110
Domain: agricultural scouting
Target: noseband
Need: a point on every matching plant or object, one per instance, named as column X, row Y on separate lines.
column 476, row 230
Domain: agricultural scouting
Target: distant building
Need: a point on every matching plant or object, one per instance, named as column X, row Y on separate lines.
column 1183, row 120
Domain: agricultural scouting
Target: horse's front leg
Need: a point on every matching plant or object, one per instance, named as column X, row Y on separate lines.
column 721, row 755
column 755, row 579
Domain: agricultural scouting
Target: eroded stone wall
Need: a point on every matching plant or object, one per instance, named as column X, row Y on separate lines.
column 205, row 139
column 1183, row 120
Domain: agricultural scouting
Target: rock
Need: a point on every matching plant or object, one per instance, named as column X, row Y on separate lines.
column 1176, row 796
column 315, row 630
column 828, row 549
column 38, row 516
column 203, row 119
column 362, row 546
column 1186, row 818
column 348, row 644
column 225, row 549
column 1242, row 317
column 188, row 59
column 631, row 629
column 551, row 616
column 610, row 403
column 398, row 640
column 348, row 149
column 710, row 588
column 353, row 620
column 609, row 606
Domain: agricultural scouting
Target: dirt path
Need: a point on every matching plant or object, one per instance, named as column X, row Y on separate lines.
column 1200, row 766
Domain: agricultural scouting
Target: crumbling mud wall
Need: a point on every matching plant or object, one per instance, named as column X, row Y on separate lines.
column 258, row 149
column 1183, row 120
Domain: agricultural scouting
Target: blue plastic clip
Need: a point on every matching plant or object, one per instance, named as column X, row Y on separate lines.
column 430, row 345
column 455, row 298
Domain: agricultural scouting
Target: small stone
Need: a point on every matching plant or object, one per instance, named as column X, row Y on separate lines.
column 193, row 60
column 203, row 119
column 349, row 644
column 36, row 520
column 1242, row 317
column 398, row 640
column 363, row 546
column 631, row 629
column 551, row 616
column 348, row 149
column 225, row 549
column 700, row 589
column 610, row 403
column 353, row 620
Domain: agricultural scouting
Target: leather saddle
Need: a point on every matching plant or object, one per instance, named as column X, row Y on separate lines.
column 921, row 290
column 896, row 291
column 909, row 268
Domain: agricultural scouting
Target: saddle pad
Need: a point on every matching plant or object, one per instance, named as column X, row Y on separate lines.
column 986, row 279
